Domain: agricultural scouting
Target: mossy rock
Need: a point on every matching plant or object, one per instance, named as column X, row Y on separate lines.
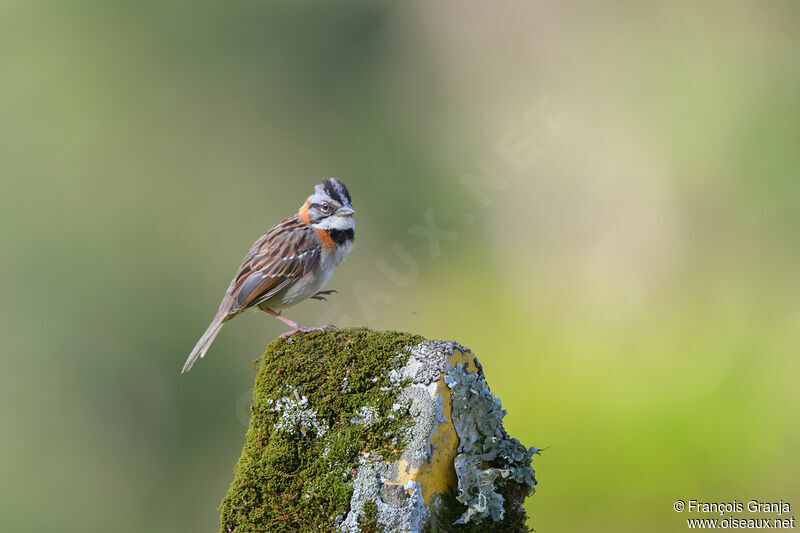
column 358, row 430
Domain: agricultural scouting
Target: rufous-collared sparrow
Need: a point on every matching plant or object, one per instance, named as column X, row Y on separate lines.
column 290, row 263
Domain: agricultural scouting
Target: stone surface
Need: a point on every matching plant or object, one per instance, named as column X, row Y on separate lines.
column 355, row 430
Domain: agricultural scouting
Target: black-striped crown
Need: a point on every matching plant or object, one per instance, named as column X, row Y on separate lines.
column 336, row 190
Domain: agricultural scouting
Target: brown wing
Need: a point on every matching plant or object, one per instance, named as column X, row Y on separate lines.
column 276, row 260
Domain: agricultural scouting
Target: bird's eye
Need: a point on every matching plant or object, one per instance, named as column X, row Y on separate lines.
column 326, row 206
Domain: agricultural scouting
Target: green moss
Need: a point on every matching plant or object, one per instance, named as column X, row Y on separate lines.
column 305, row 438
column 369, row 520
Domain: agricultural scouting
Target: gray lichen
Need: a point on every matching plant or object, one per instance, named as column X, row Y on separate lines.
column 429, row 360
column 396, row 509
column 488, row 458
column 425, row 409
column 298, row 417
column 367, row 416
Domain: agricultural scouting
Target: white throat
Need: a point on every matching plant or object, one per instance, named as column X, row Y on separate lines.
column 336, row 223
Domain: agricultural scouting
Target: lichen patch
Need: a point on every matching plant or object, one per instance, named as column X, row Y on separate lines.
column 488, row 458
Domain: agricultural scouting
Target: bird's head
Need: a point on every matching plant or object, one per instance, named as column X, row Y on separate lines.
column 329, row 207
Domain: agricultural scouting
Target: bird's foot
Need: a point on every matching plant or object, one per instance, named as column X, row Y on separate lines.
column 321, row 295
column 302, row 329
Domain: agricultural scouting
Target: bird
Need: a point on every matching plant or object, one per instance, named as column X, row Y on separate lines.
column 290, row 263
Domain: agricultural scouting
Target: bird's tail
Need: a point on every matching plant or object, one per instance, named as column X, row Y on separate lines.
column 205, row 341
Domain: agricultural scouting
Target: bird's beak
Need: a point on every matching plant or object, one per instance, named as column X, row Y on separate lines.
column 346, row 211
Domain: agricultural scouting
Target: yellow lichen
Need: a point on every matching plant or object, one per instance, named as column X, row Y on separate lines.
column 438, row 475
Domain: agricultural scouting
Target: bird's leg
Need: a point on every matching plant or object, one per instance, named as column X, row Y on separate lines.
column 321, row 295
column 287, row 321
column 294, row 325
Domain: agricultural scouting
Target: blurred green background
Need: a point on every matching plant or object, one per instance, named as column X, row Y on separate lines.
column 628, row 274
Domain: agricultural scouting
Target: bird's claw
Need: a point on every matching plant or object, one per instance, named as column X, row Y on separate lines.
column 321, row 295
